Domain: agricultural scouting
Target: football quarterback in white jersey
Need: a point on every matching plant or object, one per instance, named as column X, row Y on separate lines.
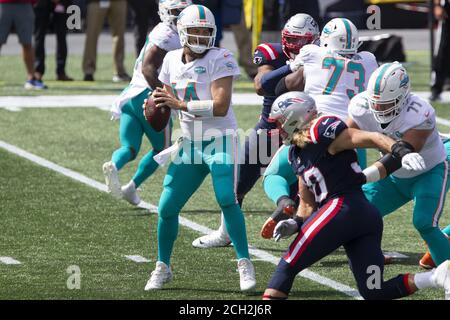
column 198, row 82
column 388, row 107
column 128, row 106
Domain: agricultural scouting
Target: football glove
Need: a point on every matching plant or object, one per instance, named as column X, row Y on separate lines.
column 284, row 229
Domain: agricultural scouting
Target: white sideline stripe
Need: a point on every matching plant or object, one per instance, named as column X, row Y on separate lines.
column 261, row 254
column 137, row 258
column 443, row 121
column 15, row 103
column 9, row 260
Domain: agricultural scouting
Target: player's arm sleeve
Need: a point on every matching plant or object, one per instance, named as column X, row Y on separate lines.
column 165, row 38
column 224, row 65
column 164, row 75
column 429, row 121
column 325, row 130
column 357, row 108
column 270, row 79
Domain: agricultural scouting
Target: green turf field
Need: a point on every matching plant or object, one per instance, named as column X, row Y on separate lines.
column 50, row 222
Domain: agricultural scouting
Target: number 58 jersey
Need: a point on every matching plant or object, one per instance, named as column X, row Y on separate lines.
column 332, row 80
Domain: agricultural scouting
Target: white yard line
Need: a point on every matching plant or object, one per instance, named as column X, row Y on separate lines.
column 137, row 258
column 260, row 254
column 9, row 260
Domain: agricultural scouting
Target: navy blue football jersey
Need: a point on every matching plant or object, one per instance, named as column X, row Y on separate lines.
column 269, row 54
column 326, row 175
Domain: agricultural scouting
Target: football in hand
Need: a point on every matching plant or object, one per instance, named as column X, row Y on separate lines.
column 157, row 118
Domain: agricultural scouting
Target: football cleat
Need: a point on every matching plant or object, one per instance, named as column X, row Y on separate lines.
column 441, row 277
column 213, row 240
column 247, row 278
column 285, row 210
column 112, row 179
column 161, row 275
column 426, row 261
column 129, row 193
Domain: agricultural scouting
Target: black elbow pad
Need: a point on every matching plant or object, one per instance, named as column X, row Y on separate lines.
column 401, row 148
column 391, row 163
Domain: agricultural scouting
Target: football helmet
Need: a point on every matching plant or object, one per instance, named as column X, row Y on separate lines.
column 196, row 16
column 299, row 30
column 387, row 91
column 341, row 36
column 292, row 111
column 170, row 9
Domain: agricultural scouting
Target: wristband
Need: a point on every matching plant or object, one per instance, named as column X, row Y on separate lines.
column 201, row 108
column 372, row 174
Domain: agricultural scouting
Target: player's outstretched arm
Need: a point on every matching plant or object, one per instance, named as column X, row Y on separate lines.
column 153, row 60
column 351, row 138
column 417, row 138
column 292, row 82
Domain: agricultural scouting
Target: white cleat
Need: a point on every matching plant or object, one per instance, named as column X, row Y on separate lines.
column 441, row 277
column 213, row 240
column 112, row 179
column 246, row 274
column 130, row 194
column 161, row 275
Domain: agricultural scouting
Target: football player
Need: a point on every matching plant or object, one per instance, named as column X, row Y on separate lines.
column 401, row 115
column 322, row 155
column 272, row 60
column 198, row 82
column 390, row 108
column 128, row 106
column 334, row 72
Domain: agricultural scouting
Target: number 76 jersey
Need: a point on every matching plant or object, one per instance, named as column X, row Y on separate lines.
column 332, row 80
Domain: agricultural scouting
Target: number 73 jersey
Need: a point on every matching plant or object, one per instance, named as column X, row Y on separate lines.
column 416, row 114
column 332, row 80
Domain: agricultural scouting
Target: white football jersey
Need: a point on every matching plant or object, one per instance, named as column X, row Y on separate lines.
column 416, row 114
column 165, row 38
column 332, row 80
column 192, row 81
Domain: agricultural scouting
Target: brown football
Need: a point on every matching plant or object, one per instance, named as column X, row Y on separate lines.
column 157, row 118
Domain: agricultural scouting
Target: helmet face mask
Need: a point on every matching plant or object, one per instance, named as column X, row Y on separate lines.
column 388, row 90
column 170, row 9
column 301, row 29
column 200, row 39
column 386, row 111
column 197, row 28
column 291, row 112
